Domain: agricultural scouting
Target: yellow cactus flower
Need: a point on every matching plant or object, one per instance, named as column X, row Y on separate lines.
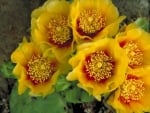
column 35, row 69
column 133, row 95
column 49, row 25
column 136, row 43
column 98, row 66
column 92, row 18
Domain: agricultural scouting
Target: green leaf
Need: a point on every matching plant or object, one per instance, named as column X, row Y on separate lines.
column 73, row 95
column 85, row 97
column 53, row 103
column 71, row 92
column 6, row 69
column 143, row 23
column 62, row 84
column 77, row 95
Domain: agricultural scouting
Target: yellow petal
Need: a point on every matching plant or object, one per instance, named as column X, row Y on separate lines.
column 30, row 55
column 38, row 37
column 141, row 39
column 113, row 28
column 81, row 15
column 16, row 70
column 18, row 56
column 45, row 88
column 92, row 86
column 138, row 106
column 50, row 27
column 22, row 84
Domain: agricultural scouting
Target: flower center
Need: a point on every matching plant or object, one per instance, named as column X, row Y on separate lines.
column 132, row 90
column 99, row 66
column 59, row 33
column 134, row 53
column 90, row 22
column 40, row 70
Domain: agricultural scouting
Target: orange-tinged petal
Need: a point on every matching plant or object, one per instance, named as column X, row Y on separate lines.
column 40, row 71
column 52, row 28
column 93, row 19
column 144, row 76
column 44, row 89
column 137, row 93
column 88, row 60
column 136, row 43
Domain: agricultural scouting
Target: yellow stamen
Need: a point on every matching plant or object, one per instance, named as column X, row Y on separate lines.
column 132, row 90
column 134, row 53
column 91, row 21
column 58, row 31
column 99, row 66
column 40, row 69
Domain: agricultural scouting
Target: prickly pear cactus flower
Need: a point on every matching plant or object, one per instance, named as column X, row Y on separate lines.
column 93, row 18
column 132, row 96
column 97, row 66
column 136, row 43
column 35, row 69
column 49, row 25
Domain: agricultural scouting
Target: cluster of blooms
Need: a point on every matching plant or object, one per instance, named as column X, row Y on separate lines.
column 83, row 37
